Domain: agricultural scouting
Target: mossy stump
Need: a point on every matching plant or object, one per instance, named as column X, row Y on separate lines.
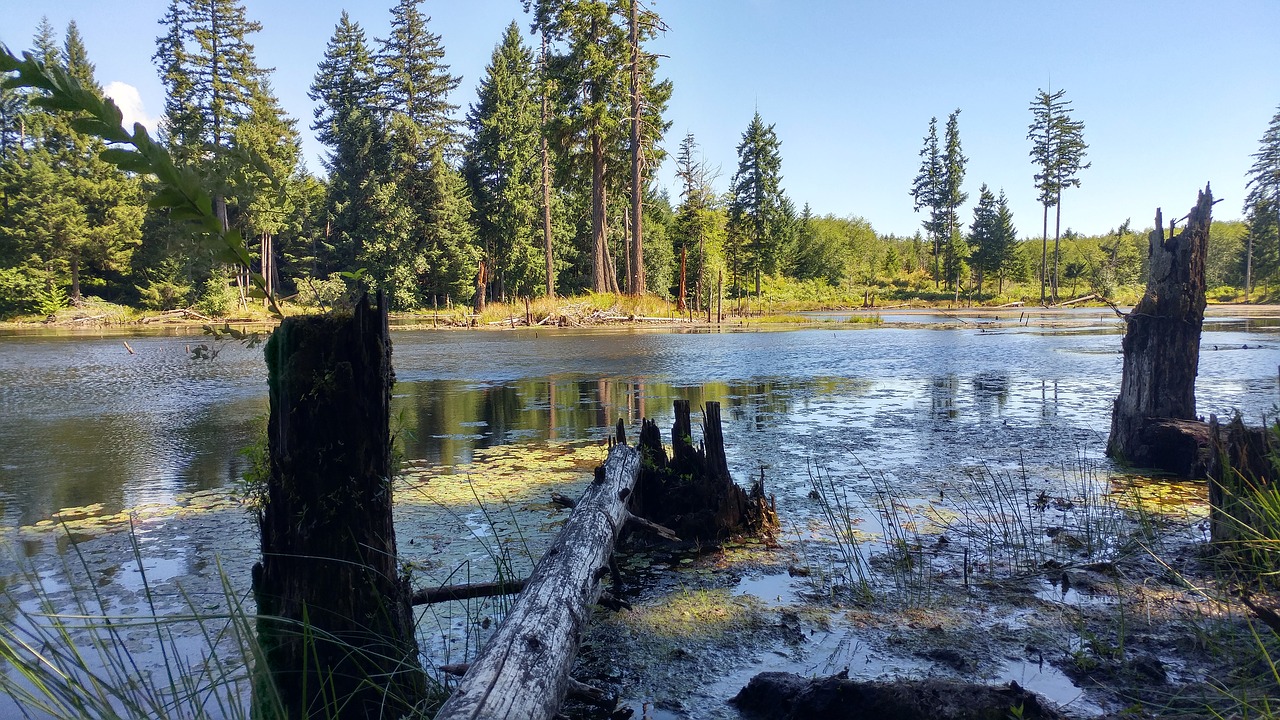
column 334, row 620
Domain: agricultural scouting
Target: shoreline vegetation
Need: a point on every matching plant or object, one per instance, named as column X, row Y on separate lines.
column 608, row 310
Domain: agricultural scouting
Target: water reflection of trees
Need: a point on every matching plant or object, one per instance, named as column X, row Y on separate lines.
column 444, row 421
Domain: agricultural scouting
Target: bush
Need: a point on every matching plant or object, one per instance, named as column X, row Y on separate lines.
column 18, row 290
column 326, row 293
column 218, row 298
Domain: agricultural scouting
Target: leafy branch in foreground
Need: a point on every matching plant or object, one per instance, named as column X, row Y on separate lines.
column 180, row 190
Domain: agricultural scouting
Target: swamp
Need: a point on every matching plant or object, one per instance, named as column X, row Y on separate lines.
column 946, row 508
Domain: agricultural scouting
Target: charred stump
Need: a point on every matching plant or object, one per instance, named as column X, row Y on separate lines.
column 1162, row 345
column 692, row 492
column 334, row 621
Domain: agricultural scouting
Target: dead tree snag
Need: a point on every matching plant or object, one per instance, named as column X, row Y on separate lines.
column 1162, row 346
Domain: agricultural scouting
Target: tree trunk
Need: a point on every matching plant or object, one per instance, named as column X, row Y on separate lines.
column 546, row 178
column 75, row 279
column 1162, row 339
column 482, row 283
column 1239, row 468
column 1057, row 235
column 600, row 267
column 680, row 305
column 523, row 671
column 637, row 188
column 334, row 610
column 1044, row 252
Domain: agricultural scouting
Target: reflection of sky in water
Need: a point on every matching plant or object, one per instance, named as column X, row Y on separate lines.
column 84, row 421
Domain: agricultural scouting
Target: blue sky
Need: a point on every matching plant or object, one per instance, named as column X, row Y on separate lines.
column 1173, row 94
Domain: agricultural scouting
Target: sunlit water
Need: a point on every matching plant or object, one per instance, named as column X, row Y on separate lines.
column 85, row 422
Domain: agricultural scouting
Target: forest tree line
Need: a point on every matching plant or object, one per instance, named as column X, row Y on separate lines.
column 543, row 186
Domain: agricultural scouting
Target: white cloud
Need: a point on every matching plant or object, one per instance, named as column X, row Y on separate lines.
column 129, row 101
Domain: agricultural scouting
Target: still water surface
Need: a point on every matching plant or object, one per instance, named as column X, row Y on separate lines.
column 84, row 422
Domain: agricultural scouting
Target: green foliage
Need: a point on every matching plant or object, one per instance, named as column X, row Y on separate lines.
column 503, row 170
column 413, row 79
column 49, row 300
column 18, row 288
column 758, row 224
column 1058, row 150
column 181, row 191
column 218, row 297
column 1262, row 202
column 326, row 293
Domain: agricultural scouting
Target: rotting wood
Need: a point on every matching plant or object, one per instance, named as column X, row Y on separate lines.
column 692, row 493
column 333, row 607
column 447, row 593
column 523, row 671
column 1240, row 467
column 1162, row 341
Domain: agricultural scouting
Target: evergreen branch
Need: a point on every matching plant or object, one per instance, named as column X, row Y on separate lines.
column 180, row 190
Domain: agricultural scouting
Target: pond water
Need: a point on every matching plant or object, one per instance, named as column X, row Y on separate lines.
column 108, row 433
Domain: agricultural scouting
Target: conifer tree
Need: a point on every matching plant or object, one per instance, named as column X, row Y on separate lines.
column 70, row 216
column 757, row 222
column 1058, row 151
column 346, row 90
column 210, row 75
column 413, row 79
column 927, row 192
column 698, row 223
column 503, row 170
column 449, row 247
column 951, row 198
column 589, row 73
column 263, row 187
column 1262, row 203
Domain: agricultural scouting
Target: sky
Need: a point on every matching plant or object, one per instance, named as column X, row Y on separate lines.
column 1173, row 94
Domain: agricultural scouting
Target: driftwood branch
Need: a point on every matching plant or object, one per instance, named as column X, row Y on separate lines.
column 445, row 593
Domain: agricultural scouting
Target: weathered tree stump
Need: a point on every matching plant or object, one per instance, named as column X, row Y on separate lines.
column 692, row 492
column 1162, row 346
column 334, row 616
column 1241, row 467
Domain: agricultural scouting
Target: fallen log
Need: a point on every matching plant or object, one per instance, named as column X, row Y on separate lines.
column 523, row 671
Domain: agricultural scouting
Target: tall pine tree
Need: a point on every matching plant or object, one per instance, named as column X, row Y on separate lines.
column 1262, row 205
column 71, row 218
column 414, row 80
column 502, row 167
column 358, row 157
column 1058, row 151
column 927, row 192
column 757, row 221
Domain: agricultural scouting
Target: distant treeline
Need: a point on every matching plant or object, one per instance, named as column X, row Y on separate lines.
column 532, row 191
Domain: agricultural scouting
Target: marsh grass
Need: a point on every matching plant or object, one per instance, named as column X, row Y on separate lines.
column 84, row 663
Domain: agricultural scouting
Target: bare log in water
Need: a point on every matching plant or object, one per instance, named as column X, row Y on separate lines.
column 523, row 671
